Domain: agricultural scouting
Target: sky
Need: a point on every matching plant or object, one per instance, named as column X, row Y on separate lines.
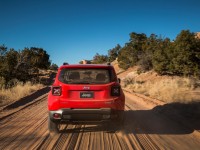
column 72, row 30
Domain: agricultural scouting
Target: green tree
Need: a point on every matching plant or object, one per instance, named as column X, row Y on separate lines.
column 35, row 58
column 7, row 67
column 161, row 57
column 186, row 54
column 20, row 64
column 137, row 40
column 127, row 57
column 149, row 45
column 113, row 53
column 39, row 58
column 100, row 59
column 3, row 51
column 53, row 67
column 132, row 52
column 180, row 57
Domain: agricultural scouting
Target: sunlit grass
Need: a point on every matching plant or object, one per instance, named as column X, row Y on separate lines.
column 19, row 91
column 169, row 89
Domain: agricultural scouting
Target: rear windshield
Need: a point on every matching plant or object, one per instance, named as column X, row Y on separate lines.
column 84, row 76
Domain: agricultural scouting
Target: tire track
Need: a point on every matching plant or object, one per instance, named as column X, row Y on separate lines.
column 12, row 112
column 83, row 142
column 27, row 129
column 78, row 138
column 141, row 141
column 23, row 128
column 14, row 116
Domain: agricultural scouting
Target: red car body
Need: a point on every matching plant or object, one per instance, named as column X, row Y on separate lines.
column 85, row 93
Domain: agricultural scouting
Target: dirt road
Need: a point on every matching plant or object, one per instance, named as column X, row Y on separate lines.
column 146, row 127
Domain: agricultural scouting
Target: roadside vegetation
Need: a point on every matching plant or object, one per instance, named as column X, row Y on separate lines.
column 166, row 88
column 18, row 91
column 180, row 57
column 176, row 65
column 21, row 72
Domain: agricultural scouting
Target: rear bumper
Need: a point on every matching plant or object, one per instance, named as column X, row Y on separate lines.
column 61, row 103
column 83, row 115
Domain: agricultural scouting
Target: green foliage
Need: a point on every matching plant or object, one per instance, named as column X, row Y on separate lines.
column 20, row 65
column 113, row 53
column 2, row 83
column 127, row 57
column 53, row 67
column 8, row 62
column 149, row 46
column 132, row 52
column 186, row 54
column 35, row 57
column 3, row 51
column 161, row 59
column 180, row 57
column 100, row 59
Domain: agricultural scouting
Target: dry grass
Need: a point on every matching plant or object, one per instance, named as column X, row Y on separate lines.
column 17, row 92
column 168, row 89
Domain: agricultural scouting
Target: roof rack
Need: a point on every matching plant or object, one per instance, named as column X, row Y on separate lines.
column 65, row 63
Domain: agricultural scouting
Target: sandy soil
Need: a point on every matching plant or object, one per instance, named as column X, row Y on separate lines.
column 147, row 126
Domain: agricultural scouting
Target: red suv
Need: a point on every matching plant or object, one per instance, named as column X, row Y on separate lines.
column 85, row 93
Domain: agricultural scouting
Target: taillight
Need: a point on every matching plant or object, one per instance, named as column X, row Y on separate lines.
column 56, row 90
column 115, row 91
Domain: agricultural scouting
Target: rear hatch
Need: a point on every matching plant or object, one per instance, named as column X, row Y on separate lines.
column 85, row 85
column 86, row 92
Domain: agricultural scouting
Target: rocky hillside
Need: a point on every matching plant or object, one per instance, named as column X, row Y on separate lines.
column 165, row 88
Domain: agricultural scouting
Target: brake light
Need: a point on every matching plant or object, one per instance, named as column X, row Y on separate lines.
column 115, row 91
column 56, row 90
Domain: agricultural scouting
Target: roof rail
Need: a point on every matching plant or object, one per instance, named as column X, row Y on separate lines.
column 65, row 63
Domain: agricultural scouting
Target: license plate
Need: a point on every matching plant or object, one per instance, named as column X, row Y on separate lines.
column 86, row 95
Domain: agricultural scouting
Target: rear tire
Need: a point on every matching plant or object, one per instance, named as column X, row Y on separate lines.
column 53, row 127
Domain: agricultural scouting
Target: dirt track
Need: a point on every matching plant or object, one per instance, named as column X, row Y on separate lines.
column 145, row 128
